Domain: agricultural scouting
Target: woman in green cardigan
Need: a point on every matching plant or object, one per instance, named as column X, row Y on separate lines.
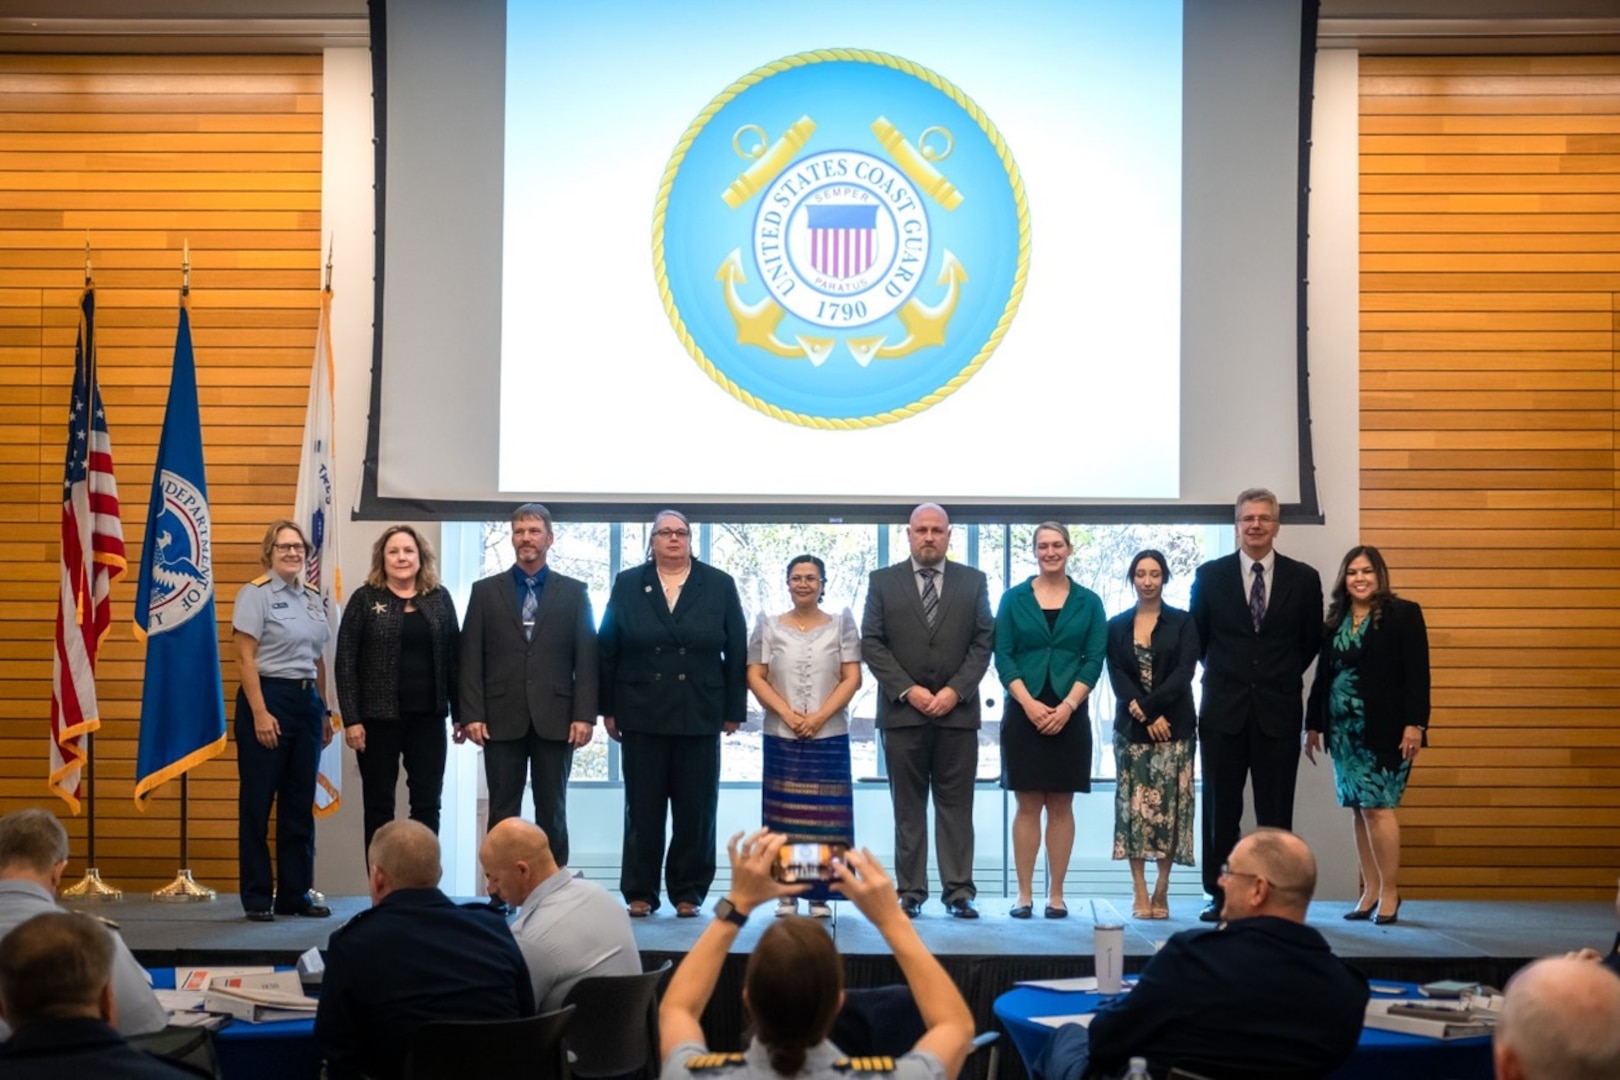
column 1051, row 634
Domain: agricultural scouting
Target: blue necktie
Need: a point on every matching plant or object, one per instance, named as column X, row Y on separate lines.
column 531, row 603
column 930, row 595
column 1257, row 596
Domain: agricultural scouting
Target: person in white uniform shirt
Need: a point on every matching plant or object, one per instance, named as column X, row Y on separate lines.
column 567, row 928
column 33, row 855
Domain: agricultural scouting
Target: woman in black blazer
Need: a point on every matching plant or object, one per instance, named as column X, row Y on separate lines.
column 1152, row 650
column 674, row 659
column 1371, row 696
column 396, row 659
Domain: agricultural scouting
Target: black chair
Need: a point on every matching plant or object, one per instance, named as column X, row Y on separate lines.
column 189, row 1048
column 884, row 1021
column 1230, row 1070
column 530, row 1047
column 621, row 1037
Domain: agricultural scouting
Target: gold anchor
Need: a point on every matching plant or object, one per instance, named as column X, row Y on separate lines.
column 918, row 164
column 757, row 323
column 925, row 324
column 767, row 163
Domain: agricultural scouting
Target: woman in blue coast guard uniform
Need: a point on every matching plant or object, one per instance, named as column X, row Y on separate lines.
column 280, row 627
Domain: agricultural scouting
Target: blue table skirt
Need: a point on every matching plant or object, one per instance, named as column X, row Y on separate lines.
column 1381, row 1055
column 284, row 1050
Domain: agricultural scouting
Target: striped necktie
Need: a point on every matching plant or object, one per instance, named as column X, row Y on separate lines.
column 1257, row 597
column 930, row 595
column 531, row 604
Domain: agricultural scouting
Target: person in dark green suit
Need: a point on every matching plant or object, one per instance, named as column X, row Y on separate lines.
column 1051, row 636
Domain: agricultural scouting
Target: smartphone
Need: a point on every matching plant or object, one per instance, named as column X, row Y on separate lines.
column 797, row 863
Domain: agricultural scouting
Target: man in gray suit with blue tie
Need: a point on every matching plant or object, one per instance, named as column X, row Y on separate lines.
column 927, row 636
column 529, row 678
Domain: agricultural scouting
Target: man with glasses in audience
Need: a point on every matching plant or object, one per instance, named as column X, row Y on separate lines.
column 1259, row 620
column 1262, row 990
column 529, row 678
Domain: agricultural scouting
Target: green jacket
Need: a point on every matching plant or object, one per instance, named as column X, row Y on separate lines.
column 1070, row 652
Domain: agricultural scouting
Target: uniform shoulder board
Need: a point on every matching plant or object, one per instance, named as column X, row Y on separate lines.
column 262, row 579
column 875, row 1064
column 311, row 586
column 702, row 1062
column 354, row 920
column 103, row 920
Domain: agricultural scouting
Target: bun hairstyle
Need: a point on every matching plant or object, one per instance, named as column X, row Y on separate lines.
column 793, row 984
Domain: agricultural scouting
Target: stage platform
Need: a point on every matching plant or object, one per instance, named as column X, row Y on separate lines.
column 1434, row 939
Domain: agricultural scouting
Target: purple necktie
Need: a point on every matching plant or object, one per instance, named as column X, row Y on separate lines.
column 1257, row 597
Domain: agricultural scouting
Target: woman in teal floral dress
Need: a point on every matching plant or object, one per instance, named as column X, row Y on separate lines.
column 1152, row 650
column 1371, row 697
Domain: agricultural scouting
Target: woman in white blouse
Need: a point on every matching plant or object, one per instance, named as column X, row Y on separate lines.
column 804, row 666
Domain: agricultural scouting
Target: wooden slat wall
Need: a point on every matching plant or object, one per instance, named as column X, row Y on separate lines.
column 1490, row 305
column 139, row 153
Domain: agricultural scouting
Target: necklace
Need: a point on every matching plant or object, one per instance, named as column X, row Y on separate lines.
column 1357, row 618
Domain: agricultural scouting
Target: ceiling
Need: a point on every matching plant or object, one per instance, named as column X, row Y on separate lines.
column 1374, row 26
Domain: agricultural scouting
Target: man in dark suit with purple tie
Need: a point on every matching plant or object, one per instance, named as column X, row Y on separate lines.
column 1259, row 619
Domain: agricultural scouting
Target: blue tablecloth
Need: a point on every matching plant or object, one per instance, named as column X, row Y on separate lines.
column 284, row 1050
column 1381, row 1055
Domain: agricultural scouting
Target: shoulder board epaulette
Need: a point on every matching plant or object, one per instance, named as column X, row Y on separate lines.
column 875, row 1064
column 700, row 1062
column 312, row 587
column 262, row 579
column 353, row 919
column 104, row 921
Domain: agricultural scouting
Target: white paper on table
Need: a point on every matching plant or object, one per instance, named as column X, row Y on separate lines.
column 1083, row 1019
column 1083, row 984
column 199, row 978
column 178, row 1001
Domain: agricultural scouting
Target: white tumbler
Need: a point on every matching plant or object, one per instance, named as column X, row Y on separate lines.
column 1108, row 945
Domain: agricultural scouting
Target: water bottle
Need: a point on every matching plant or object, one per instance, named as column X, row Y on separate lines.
column 1138, row 1068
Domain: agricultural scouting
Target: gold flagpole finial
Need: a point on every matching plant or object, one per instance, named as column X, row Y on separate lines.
column 185, row 267
column 87, row 258
column 331, row 242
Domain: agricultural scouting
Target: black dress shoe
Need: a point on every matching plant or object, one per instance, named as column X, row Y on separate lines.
column 1390, row 919
column 1360, row 914
column 1053, row 912
column 912, row 908
column 308, row 910
column 1022, row 911
column 962, row 909
column 1211, row 912
column 261, row 916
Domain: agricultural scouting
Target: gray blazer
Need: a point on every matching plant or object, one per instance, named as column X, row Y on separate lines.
column 902, row 651
column 511, row 684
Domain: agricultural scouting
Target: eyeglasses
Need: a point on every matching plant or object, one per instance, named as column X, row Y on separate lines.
column 673, row 534
column 805, row 579
column 1227, row 871
column 1257, row 519
column 289, row 549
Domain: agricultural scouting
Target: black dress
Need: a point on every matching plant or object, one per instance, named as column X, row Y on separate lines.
column 1031, row 761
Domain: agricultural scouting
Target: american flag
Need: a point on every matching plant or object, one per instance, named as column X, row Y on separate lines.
column 92, row 559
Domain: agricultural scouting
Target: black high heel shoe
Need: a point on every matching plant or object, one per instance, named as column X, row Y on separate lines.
column 1360, row 914
column 1389, row 920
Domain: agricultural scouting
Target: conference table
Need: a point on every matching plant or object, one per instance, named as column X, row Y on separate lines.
column 1380, row 1055
column 283, row 1050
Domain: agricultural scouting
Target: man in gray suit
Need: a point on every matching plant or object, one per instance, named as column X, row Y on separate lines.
column 927, row 636
column 529, row 678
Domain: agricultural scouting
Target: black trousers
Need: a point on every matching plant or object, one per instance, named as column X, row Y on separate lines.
column 944, row 761
column 419, row 740
column 546, row 764
column 678, row 775
column 1230, row 760
column 286, row 777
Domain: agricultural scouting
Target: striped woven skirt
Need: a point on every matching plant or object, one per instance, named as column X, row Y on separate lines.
column 809, row 795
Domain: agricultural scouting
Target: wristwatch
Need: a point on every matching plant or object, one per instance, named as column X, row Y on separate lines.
column 725, row 909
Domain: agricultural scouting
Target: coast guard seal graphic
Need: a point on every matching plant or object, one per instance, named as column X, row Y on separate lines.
column 841, row 239
column 182, row 571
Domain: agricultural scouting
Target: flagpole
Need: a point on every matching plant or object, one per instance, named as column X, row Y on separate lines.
column 184, row 888
column 90, row 887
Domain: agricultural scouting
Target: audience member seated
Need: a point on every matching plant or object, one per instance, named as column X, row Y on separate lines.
column 794, row 981
column 1560, row 1021
column 568, row 928
column 1611, row 959
column 1262, row 989
column 414, row 956
column 33, row 854
column 56, row 991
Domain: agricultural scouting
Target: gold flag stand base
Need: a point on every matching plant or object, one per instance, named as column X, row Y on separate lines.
column 183, row 890
column 91, row 887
